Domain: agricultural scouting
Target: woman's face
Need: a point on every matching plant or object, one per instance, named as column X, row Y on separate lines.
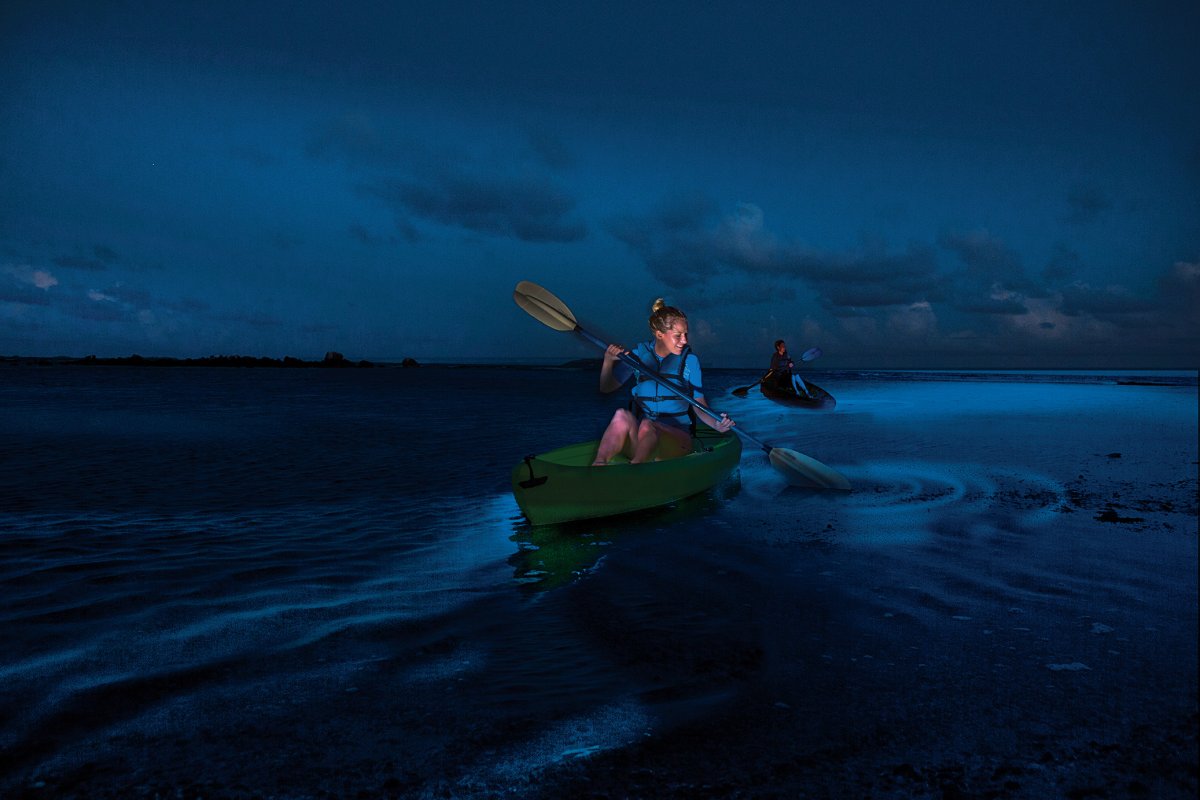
column 780, row 348
column 674, row 338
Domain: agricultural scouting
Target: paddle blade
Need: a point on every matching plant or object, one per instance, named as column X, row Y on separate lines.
column 544, row 306
column 801, row 470
column 810, row 354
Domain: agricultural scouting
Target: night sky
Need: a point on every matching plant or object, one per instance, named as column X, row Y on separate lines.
column 904, row 184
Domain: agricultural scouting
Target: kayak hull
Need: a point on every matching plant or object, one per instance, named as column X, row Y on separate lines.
column 785, row 394
column 562, row 486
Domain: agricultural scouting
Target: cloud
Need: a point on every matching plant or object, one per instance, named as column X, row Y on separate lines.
column 102, row 308
column 506, row 191
column 1085, row 204
column 999, row 301
column 988, row 261
column 1064, row 265
column 876, row 278
column 529, row 209
column 687, row 242
column 356, row 140
column 188, row 305
column 917, row 321
column 749, row 293
column 677, row 242
column 361, row 234
column 1179, row 287
column 968, row 289
column 114, row 303
column 1112, row 304
column 23, row 280
column 253, row 320
column 551, row 150
column 80, row 262
column 101, row 257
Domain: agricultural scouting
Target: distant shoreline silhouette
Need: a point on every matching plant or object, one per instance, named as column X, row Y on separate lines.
column 332, row 360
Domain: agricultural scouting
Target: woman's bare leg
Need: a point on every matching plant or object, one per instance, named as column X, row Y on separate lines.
column 621, row 434
column 667, row 440
column 645, row 441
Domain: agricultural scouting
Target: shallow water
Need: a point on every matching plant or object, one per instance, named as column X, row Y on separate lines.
column 296, row 582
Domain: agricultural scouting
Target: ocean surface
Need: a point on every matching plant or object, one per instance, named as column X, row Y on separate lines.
column 316, row 583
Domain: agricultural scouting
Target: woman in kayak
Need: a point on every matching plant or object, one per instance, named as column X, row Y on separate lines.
column 781, row 363
column 781, row 370
column 658, row 423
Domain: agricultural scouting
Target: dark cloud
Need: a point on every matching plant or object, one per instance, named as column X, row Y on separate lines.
column 137, row 298
column 875, row 278
column 97, row 310
column 1085, row 204
column 988, row 262
column 532, row 210
column 751, row 294
column 116, row 303
column 23, row 295
column 1179, row 289
column 365, row 236
column 1064, row 265
column 403, row 226
column 355, row 139
column 992, row 305
column 104, row 253
column 318, row 328
column 733, row 259
column 551, row 150
column 81, row 262
column 687, row 243
column 1109, row 304
column 253, row 320
column 189, row 305
column 676, row 242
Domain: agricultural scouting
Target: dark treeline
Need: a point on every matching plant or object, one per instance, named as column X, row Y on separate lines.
column 331, row 360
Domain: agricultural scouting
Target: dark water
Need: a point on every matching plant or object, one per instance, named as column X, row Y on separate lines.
column 306, row 583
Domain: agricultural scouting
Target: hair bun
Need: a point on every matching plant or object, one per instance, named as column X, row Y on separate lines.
column 659, row 303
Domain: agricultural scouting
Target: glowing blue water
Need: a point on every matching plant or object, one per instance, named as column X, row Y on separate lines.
column 258, row 576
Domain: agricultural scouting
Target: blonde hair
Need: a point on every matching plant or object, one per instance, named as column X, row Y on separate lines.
column 662, row 316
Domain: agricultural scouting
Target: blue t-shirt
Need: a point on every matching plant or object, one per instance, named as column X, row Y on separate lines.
column 656, row 402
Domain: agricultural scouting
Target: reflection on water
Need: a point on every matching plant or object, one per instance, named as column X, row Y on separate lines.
column 550, row 556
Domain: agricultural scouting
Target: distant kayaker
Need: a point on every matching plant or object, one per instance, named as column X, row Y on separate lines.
column 659, row 423
column 781, row 370
column 781, row 362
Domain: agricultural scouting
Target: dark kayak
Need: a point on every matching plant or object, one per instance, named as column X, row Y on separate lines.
column 784, row 393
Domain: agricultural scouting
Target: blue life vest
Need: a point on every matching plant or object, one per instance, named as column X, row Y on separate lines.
column 653, row 401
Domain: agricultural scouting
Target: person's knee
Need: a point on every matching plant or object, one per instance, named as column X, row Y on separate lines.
column 646, row 428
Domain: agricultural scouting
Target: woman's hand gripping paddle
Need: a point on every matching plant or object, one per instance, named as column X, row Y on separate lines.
column 799, row 469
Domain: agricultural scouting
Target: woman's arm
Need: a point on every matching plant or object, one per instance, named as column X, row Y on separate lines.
column 723, row 424
column 609, row 380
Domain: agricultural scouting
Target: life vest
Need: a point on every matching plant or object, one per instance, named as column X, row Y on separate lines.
column 651, row 400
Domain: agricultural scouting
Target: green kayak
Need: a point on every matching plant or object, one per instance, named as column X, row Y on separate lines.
column 561, row 485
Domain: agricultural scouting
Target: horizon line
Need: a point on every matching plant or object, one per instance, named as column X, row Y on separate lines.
column 549, row 361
